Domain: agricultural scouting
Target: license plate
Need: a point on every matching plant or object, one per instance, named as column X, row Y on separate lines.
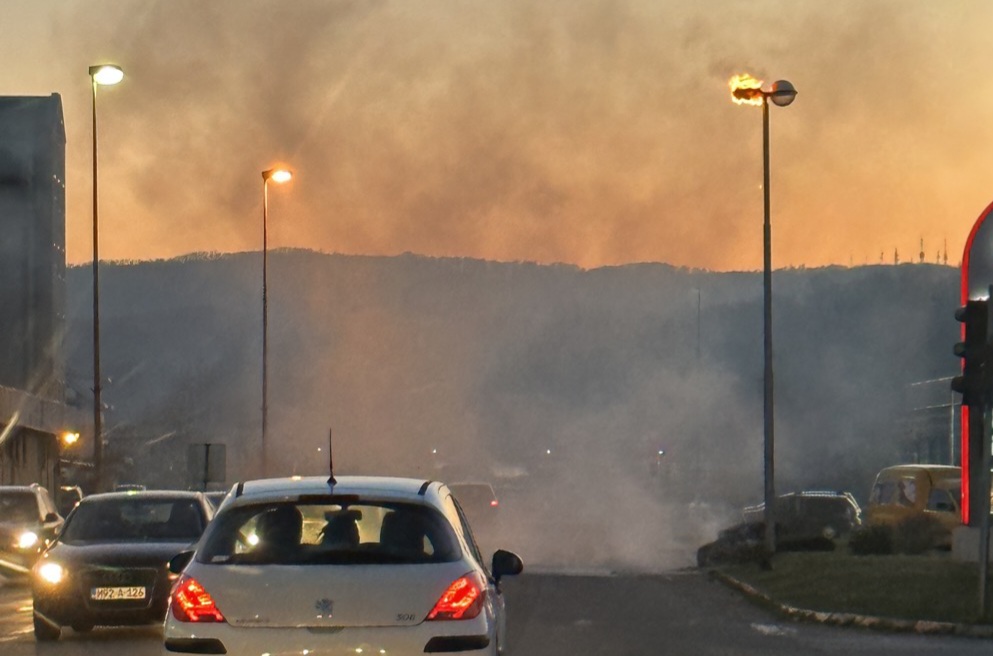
column 104, row 594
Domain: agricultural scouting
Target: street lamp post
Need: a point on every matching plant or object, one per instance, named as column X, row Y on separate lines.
column 747, row 90
column 100, row 75
column 278, row 176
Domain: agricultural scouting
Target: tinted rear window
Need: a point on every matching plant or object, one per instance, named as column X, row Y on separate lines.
column 330, row 532
column 135, row 520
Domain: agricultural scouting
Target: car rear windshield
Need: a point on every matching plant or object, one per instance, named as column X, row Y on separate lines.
column 135, row 520
column 329, row 531
column 18, row 507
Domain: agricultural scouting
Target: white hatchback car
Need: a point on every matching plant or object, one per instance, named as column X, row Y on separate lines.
column 366, row 565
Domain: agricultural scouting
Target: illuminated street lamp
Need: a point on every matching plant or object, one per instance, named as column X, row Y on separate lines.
column 278, row 176
column 746, row 90
column 101, row 75
column 70, row 438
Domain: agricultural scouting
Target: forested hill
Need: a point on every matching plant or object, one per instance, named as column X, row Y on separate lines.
column 418, row 362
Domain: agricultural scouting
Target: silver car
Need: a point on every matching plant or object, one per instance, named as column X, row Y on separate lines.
column 360, row 565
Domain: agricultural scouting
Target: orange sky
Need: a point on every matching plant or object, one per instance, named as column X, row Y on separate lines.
column 595, row 132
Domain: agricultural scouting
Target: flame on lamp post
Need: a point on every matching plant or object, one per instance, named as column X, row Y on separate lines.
column 746, row 90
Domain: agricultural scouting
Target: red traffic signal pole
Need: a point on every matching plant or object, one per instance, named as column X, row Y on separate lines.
column 976, row 276
column 977, row 273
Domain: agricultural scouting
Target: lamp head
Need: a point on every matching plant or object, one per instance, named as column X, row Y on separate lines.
column 277, row 175
column 782, row 93
column 106, row 74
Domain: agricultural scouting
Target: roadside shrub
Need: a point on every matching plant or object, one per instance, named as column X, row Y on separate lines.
column 871, row 541
column 917, row 534
column 736, row 545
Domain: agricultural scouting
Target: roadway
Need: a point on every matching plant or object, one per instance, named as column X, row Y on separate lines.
column 589, row 613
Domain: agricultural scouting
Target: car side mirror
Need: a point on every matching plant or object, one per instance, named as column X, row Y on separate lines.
column 506, row 563
column 179, row 562
column 51, row 518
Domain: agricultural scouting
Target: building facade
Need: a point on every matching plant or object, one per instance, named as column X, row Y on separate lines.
column 33, row 412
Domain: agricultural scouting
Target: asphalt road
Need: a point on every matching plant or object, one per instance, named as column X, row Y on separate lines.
column 681, row 612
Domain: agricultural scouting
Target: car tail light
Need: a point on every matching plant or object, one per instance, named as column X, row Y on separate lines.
column 463, row 600
column 191, row 603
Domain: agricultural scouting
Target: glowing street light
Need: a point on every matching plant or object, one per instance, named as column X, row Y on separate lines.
column 106, row 74
column 100, row 75
column 69, row 438
column 278, row 176
column 746, row 90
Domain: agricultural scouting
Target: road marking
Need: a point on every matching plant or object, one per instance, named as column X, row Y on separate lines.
column 773, row 630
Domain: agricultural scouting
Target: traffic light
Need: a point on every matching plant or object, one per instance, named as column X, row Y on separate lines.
column 974, row 383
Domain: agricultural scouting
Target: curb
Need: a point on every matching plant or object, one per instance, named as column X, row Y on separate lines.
column 923, row 627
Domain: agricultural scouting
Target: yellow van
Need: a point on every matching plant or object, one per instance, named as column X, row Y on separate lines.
column 907, row 490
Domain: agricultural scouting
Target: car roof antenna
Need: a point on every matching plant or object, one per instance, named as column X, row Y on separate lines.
column 331, row 479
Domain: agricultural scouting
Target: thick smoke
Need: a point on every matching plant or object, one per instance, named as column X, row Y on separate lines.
column 578, row 131
column 559, row 386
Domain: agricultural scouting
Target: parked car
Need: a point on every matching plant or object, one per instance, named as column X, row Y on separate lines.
column 811, row 520
column 906, row 491
column 811, row 514
column 29, row 520
column 109, row 565
column 372, row 564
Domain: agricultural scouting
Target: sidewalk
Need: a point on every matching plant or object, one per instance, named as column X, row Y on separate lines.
column 853, row 620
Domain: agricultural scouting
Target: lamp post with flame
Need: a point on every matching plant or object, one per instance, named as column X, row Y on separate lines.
column 100, row 75
column 746, row 90
column 278, row 176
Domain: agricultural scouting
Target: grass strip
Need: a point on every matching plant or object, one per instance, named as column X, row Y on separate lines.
column 929, row 587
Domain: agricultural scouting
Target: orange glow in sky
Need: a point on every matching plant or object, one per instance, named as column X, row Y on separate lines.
column 565, row 131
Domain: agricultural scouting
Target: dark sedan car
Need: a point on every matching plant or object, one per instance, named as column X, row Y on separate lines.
column 109, row 566
column 805, row 521
column 811, row 514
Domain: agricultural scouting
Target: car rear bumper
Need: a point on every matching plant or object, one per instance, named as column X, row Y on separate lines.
column 427, row 637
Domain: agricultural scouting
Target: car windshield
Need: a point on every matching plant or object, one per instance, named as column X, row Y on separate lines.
column 135, row 520
column 18, row 508
column 330, row 532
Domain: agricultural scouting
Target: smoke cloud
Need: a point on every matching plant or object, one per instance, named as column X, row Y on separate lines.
column 578, row 131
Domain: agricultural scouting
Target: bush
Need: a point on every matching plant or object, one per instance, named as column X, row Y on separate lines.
column 917, row 534
column 871, row 540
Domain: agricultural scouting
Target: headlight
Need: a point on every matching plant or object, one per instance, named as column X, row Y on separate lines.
column 27, row 539
column 51, row 572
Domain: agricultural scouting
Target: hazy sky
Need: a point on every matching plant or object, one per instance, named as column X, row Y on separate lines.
column 594, row 132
